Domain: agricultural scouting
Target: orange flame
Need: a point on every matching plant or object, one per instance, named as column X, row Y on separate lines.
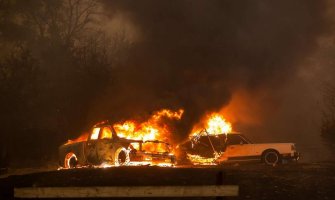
column 81, row 138
column 214, row 124
column 152, row 129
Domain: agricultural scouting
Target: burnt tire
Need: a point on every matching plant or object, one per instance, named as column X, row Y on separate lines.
column 121, row 157
column 70, row 161
column 271, row 157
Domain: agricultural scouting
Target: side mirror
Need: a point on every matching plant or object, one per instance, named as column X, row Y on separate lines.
column 241, row 143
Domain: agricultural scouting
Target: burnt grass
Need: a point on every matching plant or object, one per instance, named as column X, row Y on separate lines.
column 255, row 181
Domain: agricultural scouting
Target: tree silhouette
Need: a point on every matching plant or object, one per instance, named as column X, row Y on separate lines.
column 54, row 63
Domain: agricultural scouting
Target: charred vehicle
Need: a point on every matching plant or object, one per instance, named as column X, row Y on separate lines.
column 103, row 147
column 204, row 148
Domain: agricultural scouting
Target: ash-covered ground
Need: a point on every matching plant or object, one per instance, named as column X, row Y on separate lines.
column 255, row 181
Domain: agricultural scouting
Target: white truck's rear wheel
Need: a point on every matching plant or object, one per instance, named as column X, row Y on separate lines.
column 271, row 157
column 121, row 156
column 70, row 161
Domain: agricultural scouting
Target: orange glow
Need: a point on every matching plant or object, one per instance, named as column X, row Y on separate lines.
column 214, row 124
column 250, row 108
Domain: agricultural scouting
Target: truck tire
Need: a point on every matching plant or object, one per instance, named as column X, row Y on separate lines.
column 70, row 160
column 271, row 157
column 121, row 157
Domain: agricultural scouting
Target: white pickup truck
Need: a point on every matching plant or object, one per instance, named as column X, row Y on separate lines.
column 235, row 147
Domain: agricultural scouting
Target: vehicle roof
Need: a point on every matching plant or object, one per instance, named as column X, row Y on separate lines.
column 236, row 133
column 156, row 141
column 230, row 133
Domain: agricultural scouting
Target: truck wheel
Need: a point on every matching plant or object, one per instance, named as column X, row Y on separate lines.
column 121, row 157
column 271, row 157
column 70, row 161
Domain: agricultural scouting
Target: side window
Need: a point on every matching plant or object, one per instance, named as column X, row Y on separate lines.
column 95, row 133
column 234, row 140
column 203, row 141
column 218, row 141
column 106, row 133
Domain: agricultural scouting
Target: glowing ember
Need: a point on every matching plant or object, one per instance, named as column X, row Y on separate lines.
column 214, row 124
column 199, row 160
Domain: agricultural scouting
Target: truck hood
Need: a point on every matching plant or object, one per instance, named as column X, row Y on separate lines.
column 280, row 143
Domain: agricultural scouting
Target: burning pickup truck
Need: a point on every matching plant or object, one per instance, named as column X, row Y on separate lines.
column 205, row 148
column 103, row 147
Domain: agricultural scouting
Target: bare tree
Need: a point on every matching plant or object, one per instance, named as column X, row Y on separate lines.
column 65, row 20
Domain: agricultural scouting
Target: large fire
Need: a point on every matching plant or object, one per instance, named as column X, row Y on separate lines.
column 152, row 129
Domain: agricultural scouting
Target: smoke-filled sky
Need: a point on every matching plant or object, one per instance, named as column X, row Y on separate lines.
column 199, row 54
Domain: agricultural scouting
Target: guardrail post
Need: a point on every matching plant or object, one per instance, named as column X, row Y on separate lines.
column 220, row 176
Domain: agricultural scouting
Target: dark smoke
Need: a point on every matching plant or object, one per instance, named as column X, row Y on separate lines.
column 194, row 54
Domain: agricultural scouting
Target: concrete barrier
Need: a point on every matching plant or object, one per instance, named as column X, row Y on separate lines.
column 127, row 191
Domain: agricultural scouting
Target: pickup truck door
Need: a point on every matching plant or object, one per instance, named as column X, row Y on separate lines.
column 238, row 149
column 91, row 147
column 239, row 152
column 106, row 146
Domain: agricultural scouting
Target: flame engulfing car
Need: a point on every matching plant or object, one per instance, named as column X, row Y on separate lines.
column 103, row 147
column 205, row 148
